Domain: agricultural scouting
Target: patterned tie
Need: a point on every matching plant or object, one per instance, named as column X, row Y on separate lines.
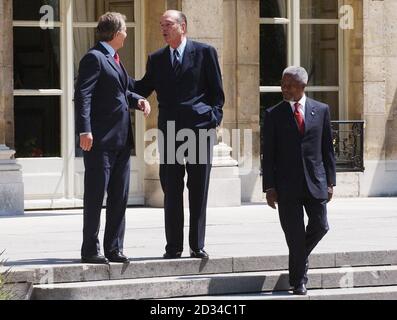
column 177, row 63
column 299, row 119
column 117, row 58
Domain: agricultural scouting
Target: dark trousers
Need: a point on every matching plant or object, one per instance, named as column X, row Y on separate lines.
column 105, row 171
column 301, row 241
column 172, row 176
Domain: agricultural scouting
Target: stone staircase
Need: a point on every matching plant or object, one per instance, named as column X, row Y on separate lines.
column 348, row 275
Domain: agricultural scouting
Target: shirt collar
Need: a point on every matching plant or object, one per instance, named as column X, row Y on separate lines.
column 180, row 49
column 302, row 102
column 108, row 47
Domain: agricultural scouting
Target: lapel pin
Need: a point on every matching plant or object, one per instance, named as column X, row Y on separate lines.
column 312, row 113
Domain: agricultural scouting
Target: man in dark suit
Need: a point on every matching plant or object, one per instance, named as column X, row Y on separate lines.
column 299, row 170
column 187, row 79
column 103, row 101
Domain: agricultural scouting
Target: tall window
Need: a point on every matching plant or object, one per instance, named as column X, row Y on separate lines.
column 85, row 17
column 37, row 88
column 303, row 33
column 41, row 59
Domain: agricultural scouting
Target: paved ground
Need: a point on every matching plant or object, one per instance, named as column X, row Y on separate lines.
column 42, row 237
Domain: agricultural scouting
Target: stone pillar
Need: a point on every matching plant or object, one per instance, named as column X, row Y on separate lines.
column 241, row 74
column 380, row 104
column 11, row 186
column 206, row 24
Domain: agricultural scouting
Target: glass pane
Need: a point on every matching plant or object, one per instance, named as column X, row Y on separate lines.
column 330, row 98
column 36, row 58
column 273, row 8
column 319, row 54
column 37, row 127
column 84, row 39
column 91, row 10
column 273, row 53
column 30, row 9
column 319, row 9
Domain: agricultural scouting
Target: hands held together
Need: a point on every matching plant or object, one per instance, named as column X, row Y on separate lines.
column 144, row 106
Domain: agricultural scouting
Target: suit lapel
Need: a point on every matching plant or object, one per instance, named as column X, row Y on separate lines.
column 188, row 57
column 125, row 75
column 310, row 114
column 166, row 57
column 113, row 64
column 117, row 68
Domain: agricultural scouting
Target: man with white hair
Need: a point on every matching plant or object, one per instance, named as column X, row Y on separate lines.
column 299, row 170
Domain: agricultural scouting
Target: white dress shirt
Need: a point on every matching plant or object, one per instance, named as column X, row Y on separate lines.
column 302, row 103
column 180, row 49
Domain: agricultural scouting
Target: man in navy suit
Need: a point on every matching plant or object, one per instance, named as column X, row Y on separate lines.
column 299, row 170
column 187, row 79
column 103, row 100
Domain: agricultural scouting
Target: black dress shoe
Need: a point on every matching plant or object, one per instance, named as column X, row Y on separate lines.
column 172, row 255
column 117, row 256
column 300, row 290
column 199, row 254
column 96, row 259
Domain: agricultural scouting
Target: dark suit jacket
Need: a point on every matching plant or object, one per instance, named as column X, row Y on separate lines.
column 102, row 100
column 289, row 159
column 195, row 97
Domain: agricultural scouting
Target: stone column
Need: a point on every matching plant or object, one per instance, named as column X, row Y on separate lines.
column 206, row 24
column 11, row 186
column 154, row 41
column 241, row 74
column 379, row 107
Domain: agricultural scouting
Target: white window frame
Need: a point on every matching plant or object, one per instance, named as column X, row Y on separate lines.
column 64, row 167
column 293, row 21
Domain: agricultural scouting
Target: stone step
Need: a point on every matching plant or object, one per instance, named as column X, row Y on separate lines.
column 147, row 268
column 215, row 284
column 363, row 293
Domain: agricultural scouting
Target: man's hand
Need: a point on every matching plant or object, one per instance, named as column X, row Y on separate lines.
column 144, row 106
column 330, row 193
column 86, row 141
column 271, row 198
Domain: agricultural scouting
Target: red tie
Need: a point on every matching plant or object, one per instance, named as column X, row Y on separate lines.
column 117, row 58
column 299, row 119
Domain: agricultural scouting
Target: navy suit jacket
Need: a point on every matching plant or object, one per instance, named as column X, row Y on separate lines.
column 196, row 96
column 289, row 157
column 102, row 100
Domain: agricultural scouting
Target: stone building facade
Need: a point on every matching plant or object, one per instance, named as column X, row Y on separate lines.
column 38, row 122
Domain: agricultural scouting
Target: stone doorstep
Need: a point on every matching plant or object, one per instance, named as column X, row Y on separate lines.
column 362, row 293
column 181, row 267
column 216, row 284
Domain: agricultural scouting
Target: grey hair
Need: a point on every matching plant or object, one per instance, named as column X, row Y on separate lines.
column 298, row 73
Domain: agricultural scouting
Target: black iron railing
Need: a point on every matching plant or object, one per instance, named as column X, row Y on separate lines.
column 348, row 139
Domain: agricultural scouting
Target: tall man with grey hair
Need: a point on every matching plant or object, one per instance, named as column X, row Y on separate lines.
column 299, row 170
column 187, row 79
column 103, row 99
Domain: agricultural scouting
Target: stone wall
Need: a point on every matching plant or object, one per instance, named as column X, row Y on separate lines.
column 6, row 75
